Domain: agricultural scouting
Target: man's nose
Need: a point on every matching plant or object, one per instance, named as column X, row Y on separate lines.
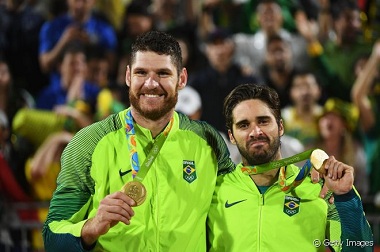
column 151, row 82
column 256, row 131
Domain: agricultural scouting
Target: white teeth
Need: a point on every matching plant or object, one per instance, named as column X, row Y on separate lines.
column 151, row 95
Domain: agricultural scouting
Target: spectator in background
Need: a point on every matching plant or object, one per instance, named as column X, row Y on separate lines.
column 11, row 98
column 334, row 60
column 336, row 129
column 98, row 67
column 77, row 24
column 68, row 105
column 10, row 187
column 72, row 85
column 220, row 75
column 366, row 96
column 173, row 14
column 111, row 98
column 289, row 9
column 218, row 13
column 251, row 48
column 301, row 116
column 20, row 25
column 137, row 20
column 192, row 56
column 11, row 101
column 11, row 191
column 278, row 69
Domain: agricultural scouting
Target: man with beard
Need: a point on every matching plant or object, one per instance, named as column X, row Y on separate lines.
column 257, row 207
column 142, row 179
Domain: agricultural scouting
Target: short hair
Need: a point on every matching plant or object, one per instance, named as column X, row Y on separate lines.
column 158, row 42
column 250, row 91
column 338, row 7
column 277, row 38
column 304, row 72
column 74, row 47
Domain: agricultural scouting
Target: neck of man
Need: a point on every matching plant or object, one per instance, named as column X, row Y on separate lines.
column 267, row 178
column 155, row 126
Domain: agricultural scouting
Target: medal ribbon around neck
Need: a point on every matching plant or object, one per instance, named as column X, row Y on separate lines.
column 138, row 173
column 282, row 163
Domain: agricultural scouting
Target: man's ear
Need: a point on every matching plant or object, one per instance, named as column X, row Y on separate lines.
column 231, row 136
column 182, row 79
column 281, row 128
column 128, row 76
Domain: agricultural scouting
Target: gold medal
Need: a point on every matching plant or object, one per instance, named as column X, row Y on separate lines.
column 317, row 159
column 135, row 190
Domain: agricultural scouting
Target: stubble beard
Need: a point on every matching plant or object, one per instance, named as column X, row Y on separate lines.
column 157, row 112
column 261, row 157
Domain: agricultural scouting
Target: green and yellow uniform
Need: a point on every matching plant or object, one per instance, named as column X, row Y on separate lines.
column 242, row 218
column 179, row 184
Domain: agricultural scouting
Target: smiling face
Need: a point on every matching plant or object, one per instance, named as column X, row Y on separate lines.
column 154, row 83
column 255, row 132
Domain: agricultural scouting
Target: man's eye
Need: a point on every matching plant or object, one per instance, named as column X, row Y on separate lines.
column 242, row 126
column 263, row 121
column 140, row 73
column 163, row 74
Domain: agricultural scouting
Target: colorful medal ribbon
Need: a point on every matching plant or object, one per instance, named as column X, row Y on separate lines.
column 282, row 163
column 138, row 173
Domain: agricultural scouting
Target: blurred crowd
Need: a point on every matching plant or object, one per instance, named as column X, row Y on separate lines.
column 63, row 62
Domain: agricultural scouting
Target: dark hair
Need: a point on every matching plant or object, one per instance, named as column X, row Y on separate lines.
column 138, row 7
column 96, row 52
column 251, row 91
column 337, row 7
column 161, row 43
column 73, row 47
column 276, row 38
column 304, row 72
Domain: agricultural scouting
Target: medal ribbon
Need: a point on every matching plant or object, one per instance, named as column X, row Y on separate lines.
column 138, row 173
column 302, row 174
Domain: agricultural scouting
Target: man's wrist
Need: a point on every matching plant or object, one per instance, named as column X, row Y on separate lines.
column 88, row 240
column 345, row 197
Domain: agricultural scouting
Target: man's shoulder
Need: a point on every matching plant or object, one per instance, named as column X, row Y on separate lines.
column 101, row 128
column 189, row 124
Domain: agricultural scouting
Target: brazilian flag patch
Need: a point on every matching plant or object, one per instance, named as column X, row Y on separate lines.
column 291, row 205
column 189, row 172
